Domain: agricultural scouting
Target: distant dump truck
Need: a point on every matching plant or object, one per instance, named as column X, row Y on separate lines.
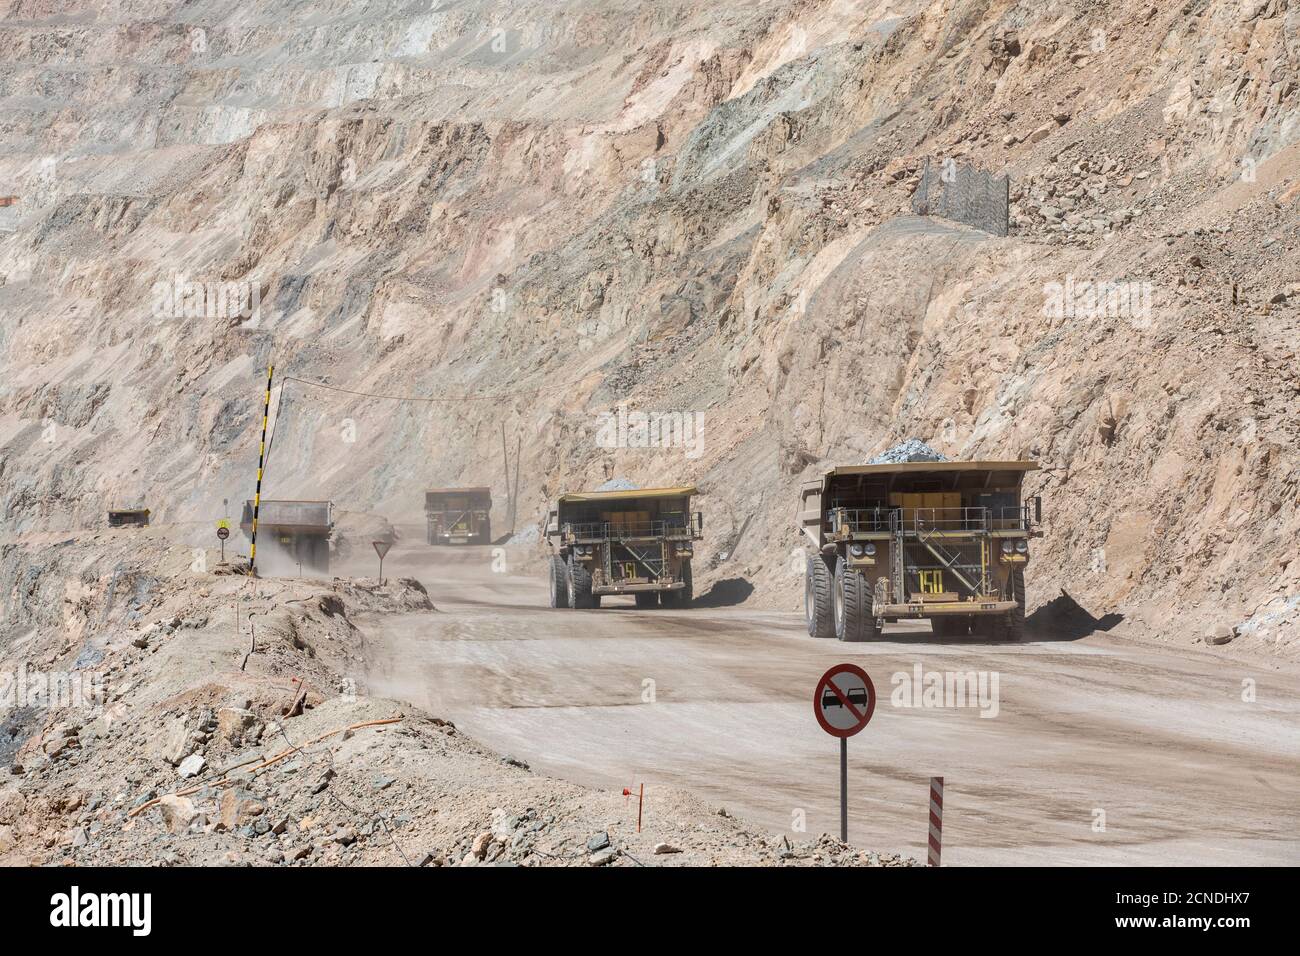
column 459, row 515
column 124, row 517
column 623, row 542
column 946, row 541
column 291, row 533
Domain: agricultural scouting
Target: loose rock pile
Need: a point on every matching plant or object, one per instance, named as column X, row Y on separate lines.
column 911, row 450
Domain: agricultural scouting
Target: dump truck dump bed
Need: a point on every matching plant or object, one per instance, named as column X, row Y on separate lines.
column 952, row 495
column 298, row 515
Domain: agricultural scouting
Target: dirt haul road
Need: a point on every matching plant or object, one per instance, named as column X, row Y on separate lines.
column 1083, row 752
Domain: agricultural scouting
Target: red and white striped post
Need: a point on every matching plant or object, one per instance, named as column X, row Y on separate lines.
column 936, row 819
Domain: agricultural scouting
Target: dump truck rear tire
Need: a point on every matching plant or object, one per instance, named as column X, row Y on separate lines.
column 559, row 582
column 683, row 596
column 817, row 597
column 995, row 627
column 854, row 620
column 580, row 595
column 647, row 598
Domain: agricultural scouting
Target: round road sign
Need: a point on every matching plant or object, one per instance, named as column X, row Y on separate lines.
column 844, row 700
column 223, row 533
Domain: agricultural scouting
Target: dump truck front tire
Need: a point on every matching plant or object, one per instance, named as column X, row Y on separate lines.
column 817, row 597
column 580, row 595
column 854, row 620
column 559, row 582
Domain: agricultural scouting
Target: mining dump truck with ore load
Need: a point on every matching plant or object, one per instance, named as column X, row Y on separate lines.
column 459, row 515
column 943, row 540
column 623, row 542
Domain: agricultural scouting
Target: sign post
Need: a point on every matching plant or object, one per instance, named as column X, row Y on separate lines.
column 843, row 703
column 223, row 532
column 381, row 549
column 935, row 842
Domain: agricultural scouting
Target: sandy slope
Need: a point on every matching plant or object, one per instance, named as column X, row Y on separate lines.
column 683, row 209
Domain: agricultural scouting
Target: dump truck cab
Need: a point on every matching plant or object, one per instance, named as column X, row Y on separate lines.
column 623, row 542
column 945, row 541
column 459, row 515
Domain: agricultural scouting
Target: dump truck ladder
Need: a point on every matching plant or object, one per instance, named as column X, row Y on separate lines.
column 975, row 577
column 653, row 565
column 899, row 582
column 948, row 560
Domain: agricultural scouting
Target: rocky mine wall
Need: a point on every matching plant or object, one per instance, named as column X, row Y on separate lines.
column 536, row 213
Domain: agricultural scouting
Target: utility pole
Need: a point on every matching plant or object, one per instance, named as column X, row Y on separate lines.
column 505, row 458
column 261, row 462
column 514, row 494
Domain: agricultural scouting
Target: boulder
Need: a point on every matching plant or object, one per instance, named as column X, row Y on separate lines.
column 174, row 743
column 503, row 825
column 236, row 725
column 177, row 812
column 192, row 765
column 12, row 804
column 1220, row 634
column 237, row 808
column 1041, row 133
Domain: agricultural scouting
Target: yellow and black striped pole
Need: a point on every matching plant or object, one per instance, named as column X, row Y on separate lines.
column 261, row 461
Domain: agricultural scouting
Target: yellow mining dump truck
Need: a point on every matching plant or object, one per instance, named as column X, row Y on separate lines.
column 947, row 541
column 459, row 515
column 291, row 534
column 623, row 542
column 124, row 517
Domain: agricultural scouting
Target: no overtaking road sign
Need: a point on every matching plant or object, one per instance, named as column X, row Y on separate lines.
column 844, row 701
